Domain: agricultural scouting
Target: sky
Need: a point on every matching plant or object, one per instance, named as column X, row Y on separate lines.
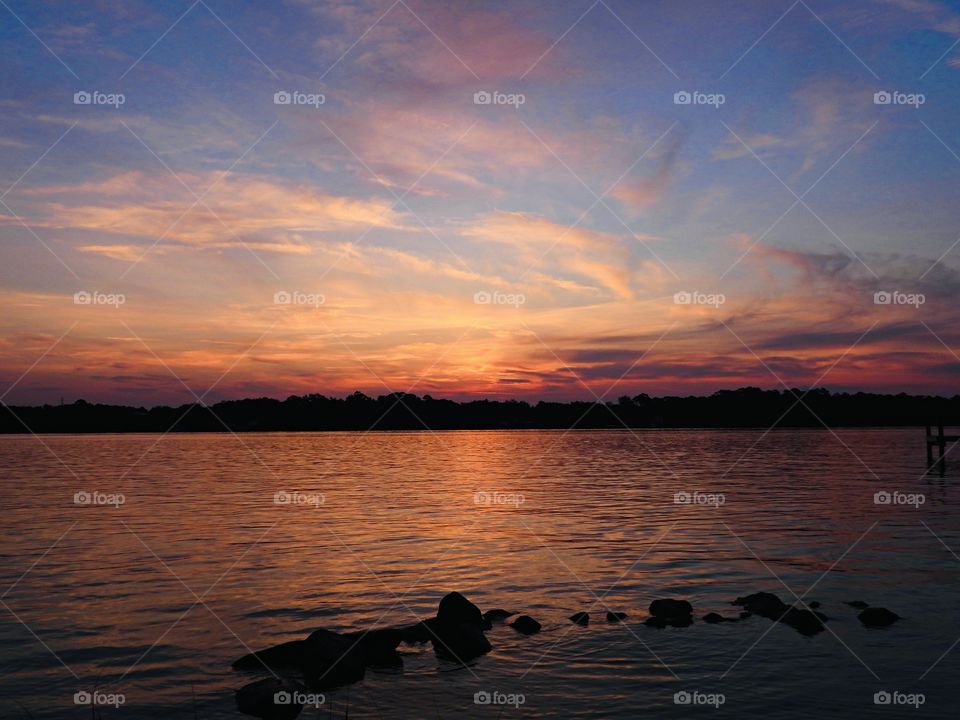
column 537, row 199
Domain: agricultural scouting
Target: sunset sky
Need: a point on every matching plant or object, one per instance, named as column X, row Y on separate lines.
column 383, row 211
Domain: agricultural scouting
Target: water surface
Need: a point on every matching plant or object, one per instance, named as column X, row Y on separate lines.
column 155, row 597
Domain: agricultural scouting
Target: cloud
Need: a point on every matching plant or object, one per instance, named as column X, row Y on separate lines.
column 251, row 210
column 821, row 122
column 599, row 256
column 642, row 193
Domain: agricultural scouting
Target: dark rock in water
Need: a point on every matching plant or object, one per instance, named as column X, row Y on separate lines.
column 455, row 608
column 768, row 605
column 270, row 699
column 668, row 612
column 806, row 622
column 279, row 657
column 716, row 618
column 744, row 615
column 763, row 604
column 419, row 633
column 496, row 614
column 379, row 647
column 858, row 604
column 813, row 604
column 331, row 660
column 459, row 641
column 877, row 617
column 670, row 608
column 526, row 625
column 660, row 621
column 613, row 617
column 580, row 618
column 457, row 631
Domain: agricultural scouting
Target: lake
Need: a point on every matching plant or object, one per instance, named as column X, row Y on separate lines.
column 142, row 565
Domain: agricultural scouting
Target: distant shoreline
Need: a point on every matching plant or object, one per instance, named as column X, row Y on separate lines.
column 744, row 408
column 424, row 431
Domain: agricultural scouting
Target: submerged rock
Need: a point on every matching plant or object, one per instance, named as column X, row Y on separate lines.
column 418, row 633
column 813, row 604
column 279, row 657
column 379, row 647
column 331, row 660
column 768, row 605
column 459, row 641
column 713, row 618
column 526, row 625
column 613, row 617
column 806, row 622
column 580, row 618
column 858, row 604
column 496, row 614
column 670, row 608
column 669, row 612
column 876, row 617
column 270, row 699
column 763, row 604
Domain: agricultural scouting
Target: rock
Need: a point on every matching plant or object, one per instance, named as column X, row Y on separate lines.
column 716, row 618
column 858, row 604
column 613, row 617
column 457, row 631
column 875, row 617
column 266, row 699
column 813, row 604
column 768, row 605
column 763, row 604
column 331, row 660
column 670, row 608
column 279, row 657
column 459, row 641
column 455, row 608
column 379, row 647
column 580, row 618
column 744, row 615
column 673, row 613
column 496, row 614
column 418, row 633
column 806, row 622
column 526, row 625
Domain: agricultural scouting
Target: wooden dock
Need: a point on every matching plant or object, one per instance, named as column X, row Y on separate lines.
column 939, row 440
